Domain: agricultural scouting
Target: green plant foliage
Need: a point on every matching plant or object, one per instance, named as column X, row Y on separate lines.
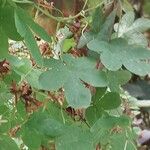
column 117, row 53
column 101, row 28
column 24, row 16
column 70, row 74
column 97, row 20
column 7, row 143
column 105, row 101
column 68, row 44
column 117, row 78
column 117, row 127
column 66, row 92
column 132, row 30
column 3, row 44
column 25, row 32
column 106, row 31
column 8, row 23
column 77, row 137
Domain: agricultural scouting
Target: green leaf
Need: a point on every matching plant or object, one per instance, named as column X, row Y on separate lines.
column 109, row 101
column 57, row 113
column 69, row 74
column 117, row 53
column 21, row 67
column 80, row 97
column 21, row 111
column 105, row 32
column 5, row 95
column 68, row 44
column 127, row 6
column 110, row 122
column 32, row 78
column 25, row 17
column 125, row 23
column 85, row 38
column 97, row 20
column 42, row 123
column 118, row 78
column 132, row 30
column 75, row 138
column 6, row 143
column 136, row 38
column 104, row 127
column 92, row 114
column 54, row 78
column 31, row 138
column 31, row 44
column 108, row 130
column 124, row 141
column 99, row 93
column 3, row 44
column 2, row 3
column 140, row 25
column 94, row 3
column 13, row 76
column 7, row 22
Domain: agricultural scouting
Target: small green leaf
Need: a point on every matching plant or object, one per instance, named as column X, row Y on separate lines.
column 31, row 138
column 118, row 78
column 68, row 44
column 31, row 44
column 125, row 141
column 85, row 38
column 3, row 44
column 32, row 78
column 80, row 97
column 124, row 24
column 92, row 114
column 140, row 25
column 13, row 76
column 6, row 143
column 132, row 30
column 127, row 6
column 25, row 17
column 105, row 32
column 57, row 113
column 110, row 100
column 42, row 123
column 21, row 67
column 7, row 22
column 97, row 20
column 75, row 137
column 104, row 127
column 99, row 93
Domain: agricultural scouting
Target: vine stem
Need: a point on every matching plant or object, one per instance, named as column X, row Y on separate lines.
column 61, row 19
column 24, row 2
column 125, row 146
column 143, row 103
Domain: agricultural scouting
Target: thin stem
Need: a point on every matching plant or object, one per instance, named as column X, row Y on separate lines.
column 63, row 19
column 60, row 19
column 24, row 2
column 85, row 4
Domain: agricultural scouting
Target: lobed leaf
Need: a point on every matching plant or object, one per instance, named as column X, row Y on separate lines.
column 70, row 75
column 117, row 53
column 132, row 30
